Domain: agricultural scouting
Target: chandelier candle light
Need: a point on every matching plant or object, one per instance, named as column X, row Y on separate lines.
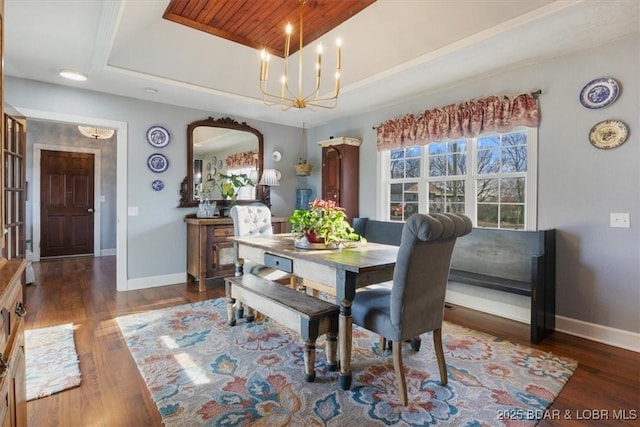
column 287, row 98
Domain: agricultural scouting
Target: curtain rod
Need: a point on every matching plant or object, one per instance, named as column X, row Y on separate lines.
column 535, row 92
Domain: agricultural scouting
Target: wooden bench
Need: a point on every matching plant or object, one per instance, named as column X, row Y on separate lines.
column 512, row 261
column 308, row 316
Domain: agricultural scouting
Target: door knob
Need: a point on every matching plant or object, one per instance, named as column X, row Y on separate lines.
column 90, row 210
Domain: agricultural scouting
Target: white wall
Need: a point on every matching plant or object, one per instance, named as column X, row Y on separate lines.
column 598, row 267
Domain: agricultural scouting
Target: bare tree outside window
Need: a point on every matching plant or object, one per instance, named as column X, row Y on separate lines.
column 494, row 187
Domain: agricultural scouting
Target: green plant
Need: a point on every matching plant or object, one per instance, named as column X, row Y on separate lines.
column 323, row 219
column 230, row 185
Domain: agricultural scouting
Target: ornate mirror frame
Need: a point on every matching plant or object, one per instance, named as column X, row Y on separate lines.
column 187, row 199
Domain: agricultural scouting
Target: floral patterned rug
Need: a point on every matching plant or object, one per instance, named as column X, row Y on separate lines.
column 200, row 371
column 51, row 361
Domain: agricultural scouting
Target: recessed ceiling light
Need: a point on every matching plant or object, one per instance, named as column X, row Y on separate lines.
column 151, row 90
column 72, row 75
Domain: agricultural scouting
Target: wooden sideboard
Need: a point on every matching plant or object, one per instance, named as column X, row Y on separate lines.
column 209, row 251
column 13, row 388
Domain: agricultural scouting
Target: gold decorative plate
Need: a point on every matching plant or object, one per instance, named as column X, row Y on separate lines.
column 608, row 134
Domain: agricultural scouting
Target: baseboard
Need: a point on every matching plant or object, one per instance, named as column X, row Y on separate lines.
column 603, row 334
column 108, row 252
column 516, row 307
column 155, row 281
column 503, row 304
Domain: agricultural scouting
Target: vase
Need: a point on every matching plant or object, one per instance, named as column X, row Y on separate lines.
column 312, row 237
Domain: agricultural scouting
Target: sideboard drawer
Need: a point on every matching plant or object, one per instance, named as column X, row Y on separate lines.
column 221, row 232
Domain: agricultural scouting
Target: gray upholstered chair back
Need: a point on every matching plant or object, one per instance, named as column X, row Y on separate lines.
column 251, row 220
column 415, row 302
column 421, row 271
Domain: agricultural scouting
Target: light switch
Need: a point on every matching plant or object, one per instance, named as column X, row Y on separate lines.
column 133, row 211
column 103, row 199
column 619, row 220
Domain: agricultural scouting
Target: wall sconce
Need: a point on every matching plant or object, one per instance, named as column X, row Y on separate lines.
column 270, row 178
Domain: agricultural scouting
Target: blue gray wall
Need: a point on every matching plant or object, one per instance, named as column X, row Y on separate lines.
column 156, row 238
column 598, row 267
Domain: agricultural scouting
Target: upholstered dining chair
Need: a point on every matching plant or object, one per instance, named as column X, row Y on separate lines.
column 414, row 303
column 251, row 221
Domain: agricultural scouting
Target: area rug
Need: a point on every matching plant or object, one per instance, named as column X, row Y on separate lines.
column 51, row 360
column 200, row 371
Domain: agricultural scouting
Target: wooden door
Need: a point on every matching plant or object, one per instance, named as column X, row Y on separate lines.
column 66, row 213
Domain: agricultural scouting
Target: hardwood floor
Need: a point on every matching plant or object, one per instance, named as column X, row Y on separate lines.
column 112, row 393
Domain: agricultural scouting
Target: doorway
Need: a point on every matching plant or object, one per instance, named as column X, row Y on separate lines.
column 39, row 196
column 66, row 203
column 121, row 213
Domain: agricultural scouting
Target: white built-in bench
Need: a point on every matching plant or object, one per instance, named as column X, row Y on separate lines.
column 519, row 263
column 309, row 316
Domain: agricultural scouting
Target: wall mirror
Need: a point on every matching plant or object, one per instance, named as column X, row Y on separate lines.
column 221, row 147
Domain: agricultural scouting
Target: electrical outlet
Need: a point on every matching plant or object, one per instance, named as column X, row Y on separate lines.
column 132, row 211
column 619, row 220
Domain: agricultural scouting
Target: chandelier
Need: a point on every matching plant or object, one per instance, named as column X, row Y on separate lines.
column 288, row 98
column 95, row 132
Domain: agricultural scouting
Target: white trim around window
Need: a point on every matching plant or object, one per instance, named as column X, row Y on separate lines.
column 530, row 222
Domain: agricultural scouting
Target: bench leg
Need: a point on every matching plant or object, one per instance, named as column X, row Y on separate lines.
column 309, row 360
column 231, row 312
column 332, row 351
column 250, row 314
column 239, row 310
column 415, row 343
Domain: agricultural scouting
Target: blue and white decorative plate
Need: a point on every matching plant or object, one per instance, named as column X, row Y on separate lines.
column 158, row 163
column 158, row 136
column 599, row 93
column 157, row 185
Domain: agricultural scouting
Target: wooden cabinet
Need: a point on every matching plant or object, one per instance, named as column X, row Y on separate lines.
column 209, row 250
column 340, row 173
column 14, row 188
column 2, row 260
column 13, row 393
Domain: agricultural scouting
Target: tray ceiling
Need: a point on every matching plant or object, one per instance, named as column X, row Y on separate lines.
column 261, row 24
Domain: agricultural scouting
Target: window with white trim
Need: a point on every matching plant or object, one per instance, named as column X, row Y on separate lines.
column 491, row 179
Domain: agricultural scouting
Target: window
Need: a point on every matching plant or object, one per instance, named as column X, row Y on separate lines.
column 491, row 179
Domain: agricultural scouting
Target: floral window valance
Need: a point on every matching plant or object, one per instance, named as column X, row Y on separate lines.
column 462, row 120
column 247, row 159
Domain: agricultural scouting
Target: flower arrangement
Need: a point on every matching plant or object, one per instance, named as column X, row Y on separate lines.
column 324, row 222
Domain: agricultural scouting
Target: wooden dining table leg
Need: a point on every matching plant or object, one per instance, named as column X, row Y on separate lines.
column 345, row 323
column 345, row 292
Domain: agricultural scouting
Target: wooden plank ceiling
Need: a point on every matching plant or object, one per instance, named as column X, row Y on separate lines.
column 260, row 23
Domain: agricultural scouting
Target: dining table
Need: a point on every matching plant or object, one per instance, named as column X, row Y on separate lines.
column 345, row 269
